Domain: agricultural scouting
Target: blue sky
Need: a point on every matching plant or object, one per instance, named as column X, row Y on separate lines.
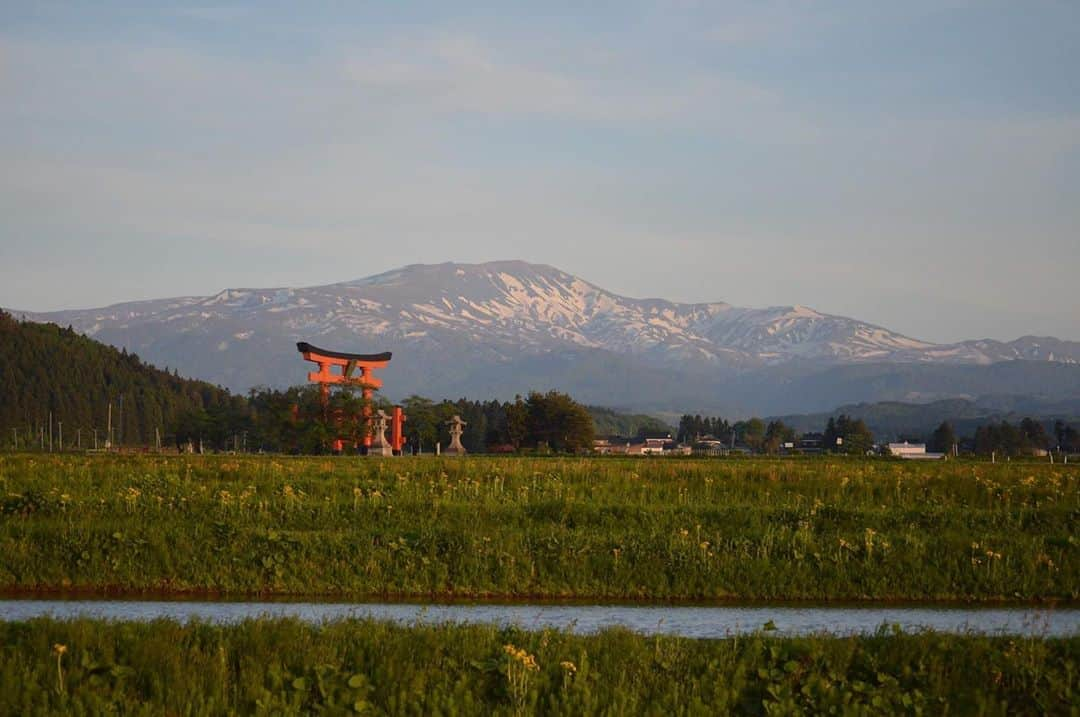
column 912, row 164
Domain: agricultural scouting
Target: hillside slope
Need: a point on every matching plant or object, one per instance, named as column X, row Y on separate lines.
column 45, row 368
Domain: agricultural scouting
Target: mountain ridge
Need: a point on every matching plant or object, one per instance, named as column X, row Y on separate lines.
column 452, row 324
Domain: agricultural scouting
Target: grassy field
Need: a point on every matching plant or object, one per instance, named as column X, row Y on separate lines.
column 824, row 529
column 288, row 667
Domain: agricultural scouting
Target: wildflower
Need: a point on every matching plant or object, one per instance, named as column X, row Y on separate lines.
column 520, row 655
column 59, row 650
column 570, row 667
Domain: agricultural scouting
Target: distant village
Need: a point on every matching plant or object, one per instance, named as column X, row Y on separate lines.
column 806, row 444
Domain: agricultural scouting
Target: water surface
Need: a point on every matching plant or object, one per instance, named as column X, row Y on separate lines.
column 695, row 621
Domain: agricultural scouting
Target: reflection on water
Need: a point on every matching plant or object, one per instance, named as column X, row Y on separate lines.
column 685, row 621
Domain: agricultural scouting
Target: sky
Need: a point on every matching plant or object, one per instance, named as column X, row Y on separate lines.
column 912, row 164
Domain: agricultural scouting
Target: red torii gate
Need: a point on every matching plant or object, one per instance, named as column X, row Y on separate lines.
column 347, row 365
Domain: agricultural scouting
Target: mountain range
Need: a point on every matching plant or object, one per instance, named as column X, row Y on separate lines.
column 505, row 327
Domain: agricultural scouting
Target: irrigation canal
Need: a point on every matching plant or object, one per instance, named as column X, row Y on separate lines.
column 686, row 621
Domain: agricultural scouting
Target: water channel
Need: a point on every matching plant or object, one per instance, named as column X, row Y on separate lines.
column 686, row 621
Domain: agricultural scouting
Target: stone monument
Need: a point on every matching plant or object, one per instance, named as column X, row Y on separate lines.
column 379, row 445
column 456, row 429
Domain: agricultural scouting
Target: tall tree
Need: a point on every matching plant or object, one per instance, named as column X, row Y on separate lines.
column 943, row 438
column 776, row 434
column 557, row 421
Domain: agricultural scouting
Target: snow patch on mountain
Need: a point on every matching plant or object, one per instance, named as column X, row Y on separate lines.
column 502, row 311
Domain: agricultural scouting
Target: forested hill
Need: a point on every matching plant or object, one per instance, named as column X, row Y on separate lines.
column 609, row 422
column 45, row 368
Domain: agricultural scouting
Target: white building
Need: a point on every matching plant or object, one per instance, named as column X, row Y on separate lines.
column 912, row 451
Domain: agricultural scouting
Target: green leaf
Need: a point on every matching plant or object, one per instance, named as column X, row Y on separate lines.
column 357, row 681
column 299, row 684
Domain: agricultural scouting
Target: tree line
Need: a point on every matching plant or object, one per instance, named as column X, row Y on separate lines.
column 845, row 434
column 296, row 420
column 1002, row 438
column 842, row 434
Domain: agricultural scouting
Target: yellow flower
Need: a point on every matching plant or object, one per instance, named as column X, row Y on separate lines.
column 59, row 649
column 568, row 666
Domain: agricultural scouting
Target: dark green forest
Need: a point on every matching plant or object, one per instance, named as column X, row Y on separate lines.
column 46, row 369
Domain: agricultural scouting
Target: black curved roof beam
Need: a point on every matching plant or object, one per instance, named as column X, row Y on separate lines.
column 304, row 347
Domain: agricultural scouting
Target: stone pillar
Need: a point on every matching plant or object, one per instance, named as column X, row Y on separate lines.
column 456, row 429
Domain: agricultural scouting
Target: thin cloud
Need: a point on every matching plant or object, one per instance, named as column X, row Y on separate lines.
column 462, row 74
column 213, row 13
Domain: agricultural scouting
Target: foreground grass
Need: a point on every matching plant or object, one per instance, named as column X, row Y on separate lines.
column 587, row 528
column 288, row 667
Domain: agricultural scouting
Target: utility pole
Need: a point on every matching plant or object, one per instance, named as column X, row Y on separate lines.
column 60, row 427
column 108, row 429
column 95, row 438
column 50, row 432
column 157, row 439
column 120, row 420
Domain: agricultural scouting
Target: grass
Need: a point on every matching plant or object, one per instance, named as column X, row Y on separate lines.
column 366, row 667
column 826, row 529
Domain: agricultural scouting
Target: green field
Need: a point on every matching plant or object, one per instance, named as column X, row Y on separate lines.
column 349, row 667
column 827, row 529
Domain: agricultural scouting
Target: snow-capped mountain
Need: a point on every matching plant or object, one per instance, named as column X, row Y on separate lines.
column 489, row 329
